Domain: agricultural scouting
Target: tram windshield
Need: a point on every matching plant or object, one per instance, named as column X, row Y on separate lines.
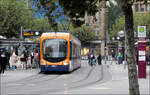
column 54, row 50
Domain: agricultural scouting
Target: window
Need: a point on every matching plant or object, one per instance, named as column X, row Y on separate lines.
column 142, row 7
column 148, row 7
column 70, row 50
column 54, row 50
column 137, row 7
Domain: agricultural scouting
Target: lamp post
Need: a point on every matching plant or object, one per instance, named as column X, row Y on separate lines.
column 123, row 35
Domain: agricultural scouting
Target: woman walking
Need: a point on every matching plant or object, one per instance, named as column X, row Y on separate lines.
column 13, row 60
column 24, row 60
column 36, row 59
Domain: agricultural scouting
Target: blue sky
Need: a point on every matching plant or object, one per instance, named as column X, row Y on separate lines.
column 41, row 13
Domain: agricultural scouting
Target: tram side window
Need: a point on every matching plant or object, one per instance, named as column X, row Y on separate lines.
column 73, row 51
column 70, row 50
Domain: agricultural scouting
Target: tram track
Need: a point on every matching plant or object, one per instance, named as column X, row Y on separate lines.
column 86, row 77
column 81, row 78
column 84, row 84
column 91, row 83
column 47, row 79
column 35, row 79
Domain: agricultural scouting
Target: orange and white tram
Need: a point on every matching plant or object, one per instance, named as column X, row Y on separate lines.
column 59, row 51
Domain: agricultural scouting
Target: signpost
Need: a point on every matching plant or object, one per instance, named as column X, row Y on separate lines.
column 29, row 33
column 142, row 52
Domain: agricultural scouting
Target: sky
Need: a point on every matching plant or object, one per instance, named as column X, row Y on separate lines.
column 41, row 13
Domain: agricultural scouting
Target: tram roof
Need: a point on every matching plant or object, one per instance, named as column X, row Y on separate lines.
column 56, row 35
column 60, row 34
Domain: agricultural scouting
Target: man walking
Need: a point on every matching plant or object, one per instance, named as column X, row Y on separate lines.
column 99, row 58
column 3, row 60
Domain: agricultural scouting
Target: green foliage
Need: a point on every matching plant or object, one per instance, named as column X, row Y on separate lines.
column 139, row 19
column 83, row 33
column 114, row 12
column 49, row 6
column 40, row 24
column 13, row 15
column 142, row 20
column 75, row 9
column 119, row 25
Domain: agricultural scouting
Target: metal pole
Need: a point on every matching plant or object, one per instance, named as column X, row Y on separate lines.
column 27, row 4
column 105, row 53
column 125, row 47
column 105, row 28
column 21, row 33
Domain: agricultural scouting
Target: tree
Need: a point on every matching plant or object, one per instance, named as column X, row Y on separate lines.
column 83, row 33
column 114, row 12
column 48, row 7
column 41, row 24
column 69, row 8
column 126, row 5
column 139, row 19
column 13, row 15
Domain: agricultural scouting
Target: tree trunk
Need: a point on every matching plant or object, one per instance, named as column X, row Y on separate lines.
column 132, row 70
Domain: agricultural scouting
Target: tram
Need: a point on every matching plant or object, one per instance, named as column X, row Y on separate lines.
column 59, row 51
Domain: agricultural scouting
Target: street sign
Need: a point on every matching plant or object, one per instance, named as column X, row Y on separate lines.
column 86, row 24
column 29, row 33
column 142, row 59
column 141, row 31
column 142, row 51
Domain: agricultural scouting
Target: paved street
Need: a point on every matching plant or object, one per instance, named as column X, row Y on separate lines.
column 106, row 79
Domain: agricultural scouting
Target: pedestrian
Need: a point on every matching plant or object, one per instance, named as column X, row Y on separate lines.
column 148, row 63
column 89, row 55
column 32, row 56
column 99, row 58
column 120, row 58
column 23, row 59
column 13, row 60
column 8, row 58
column 3, row 62
column 113, row 55
column 92, row 60
column 36, row 59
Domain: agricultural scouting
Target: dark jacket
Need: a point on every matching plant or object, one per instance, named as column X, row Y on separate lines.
column 99, row 58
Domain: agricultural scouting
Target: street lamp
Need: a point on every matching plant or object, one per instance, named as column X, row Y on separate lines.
column 122, row 34
column 118, row 38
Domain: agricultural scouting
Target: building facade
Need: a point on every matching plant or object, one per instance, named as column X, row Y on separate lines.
column 141, row 7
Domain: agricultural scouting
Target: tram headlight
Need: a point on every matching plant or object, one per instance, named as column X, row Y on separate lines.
column 42, row 63
column 65, row 63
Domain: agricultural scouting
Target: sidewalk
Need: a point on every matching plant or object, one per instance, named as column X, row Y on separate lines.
column 119, row 84
column 14, row 75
